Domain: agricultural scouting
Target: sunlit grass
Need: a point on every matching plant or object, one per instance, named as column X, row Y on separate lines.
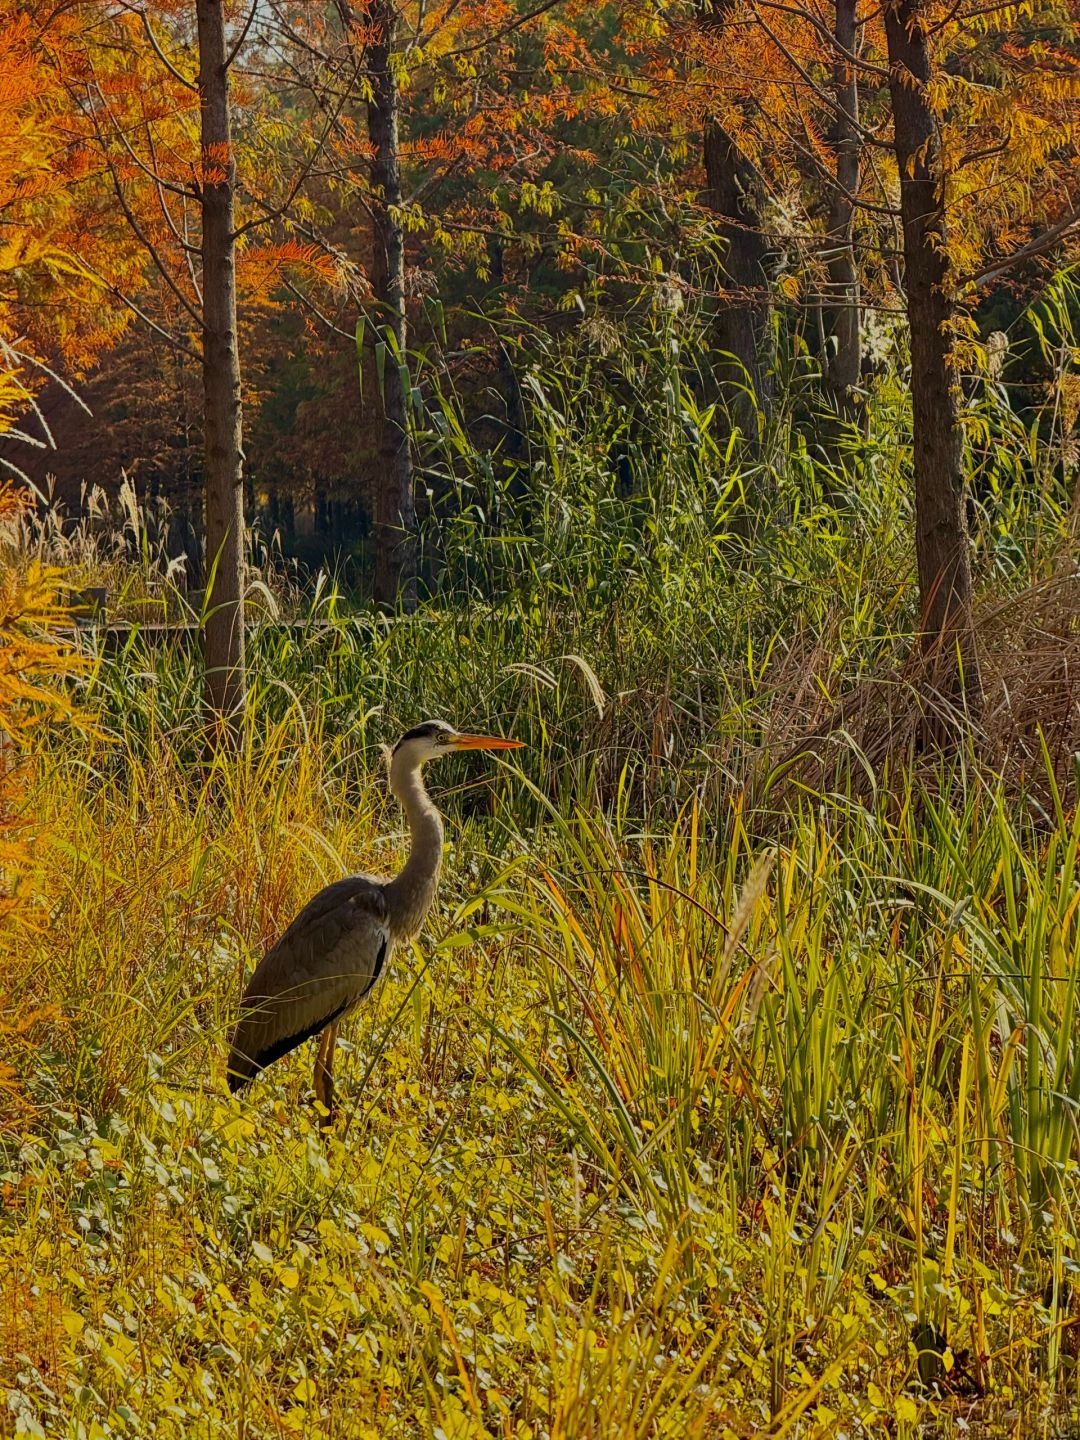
column 684, row 1133
column 708, row 1104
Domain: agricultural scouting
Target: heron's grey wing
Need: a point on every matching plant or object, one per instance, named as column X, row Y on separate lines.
column 327, row 960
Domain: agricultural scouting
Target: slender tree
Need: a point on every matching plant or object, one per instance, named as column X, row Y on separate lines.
column 223, row 642
column 843, row 315
column 394, row 500
column 368, row 37
column 942, row 545
column 163, row 132
column 389, row 71
column 153, row 91
column 733, row 193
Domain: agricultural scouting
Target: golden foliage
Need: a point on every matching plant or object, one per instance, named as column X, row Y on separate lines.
column 59, row 230
column 262, row 268
column 32, row 654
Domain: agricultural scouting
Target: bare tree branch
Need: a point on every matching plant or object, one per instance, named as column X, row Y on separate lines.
column 137, row 229
column 827, row 35
column 305, row 170
column 243, row 35
column 158, row 51
column 1039, row 246
column 177, row 344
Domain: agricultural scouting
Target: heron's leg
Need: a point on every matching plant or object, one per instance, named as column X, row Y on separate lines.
column 324, row 1075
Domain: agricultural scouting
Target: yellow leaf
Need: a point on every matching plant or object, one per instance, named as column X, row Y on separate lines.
column 906, row 1409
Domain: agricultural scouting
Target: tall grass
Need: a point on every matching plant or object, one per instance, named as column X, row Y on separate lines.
column 685, row 1117
column 656, row 1132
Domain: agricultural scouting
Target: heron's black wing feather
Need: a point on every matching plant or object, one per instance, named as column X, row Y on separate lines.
column 327, row 960
column 277, row 1048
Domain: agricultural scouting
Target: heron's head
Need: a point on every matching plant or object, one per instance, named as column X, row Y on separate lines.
column 434, row 738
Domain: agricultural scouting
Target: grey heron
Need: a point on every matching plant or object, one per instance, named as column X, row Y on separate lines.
column 334, row 952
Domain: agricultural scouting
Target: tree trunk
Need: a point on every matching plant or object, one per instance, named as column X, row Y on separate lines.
column 732, row 195
column 941, row 536
column 743, row 316
column 394, row 503
column 223, row 632
column 843, row 315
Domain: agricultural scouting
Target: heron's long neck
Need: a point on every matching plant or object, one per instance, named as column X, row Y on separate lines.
column 410, row 894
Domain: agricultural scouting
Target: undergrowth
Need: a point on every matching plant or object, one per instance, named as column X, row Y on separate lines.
column 676, row 1133
column 724, row 1095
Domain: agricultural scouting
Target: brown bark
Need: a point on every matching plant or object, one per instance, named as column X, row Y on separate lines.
column 395, row 530
column 843, row 315
column 223, row 630
column 941, row 536
column 742, row 320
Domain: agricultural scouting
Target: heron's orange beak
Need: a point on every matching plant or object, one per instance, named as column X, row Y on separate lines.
column 485, row 742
